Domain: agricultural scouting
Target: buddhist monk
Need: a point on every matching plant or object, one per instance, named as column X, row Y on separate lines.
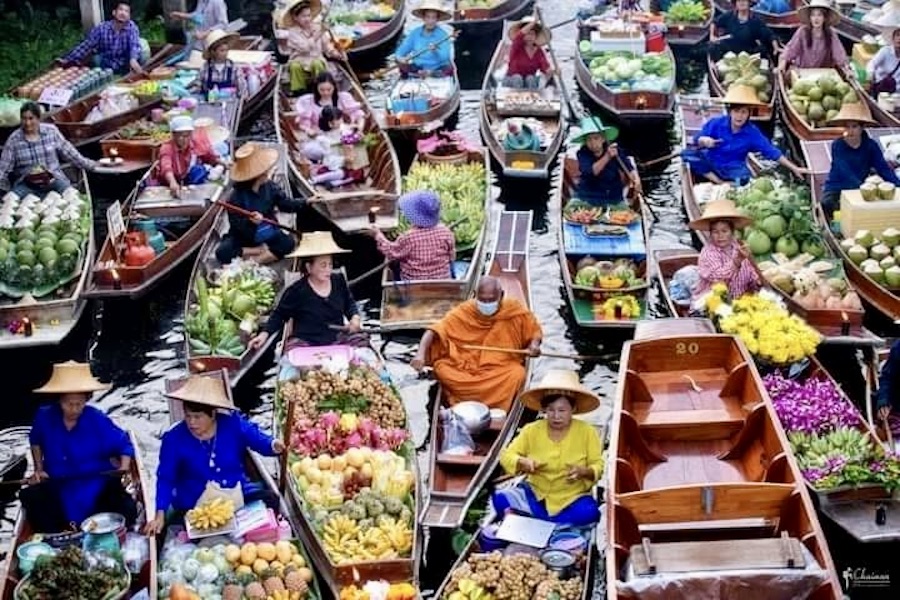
column 489, row 319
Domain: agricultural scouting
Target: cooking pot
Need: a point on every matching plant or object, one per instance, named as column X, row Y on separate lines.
column 476, row 416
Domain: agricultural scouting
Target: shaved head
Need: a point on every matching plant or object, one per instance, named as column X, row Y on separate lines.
column 489, row 289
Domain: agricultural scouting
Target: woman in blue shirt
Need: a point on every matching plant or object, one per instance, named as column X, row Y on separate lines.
column 853, row 156
column 725, row 142
column 431, row 46
column 602, row 176
column 206, row 451
column 75, row 448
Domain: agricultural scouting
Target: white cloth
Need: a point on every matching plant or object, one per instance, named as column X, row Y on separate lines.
column 881, row 65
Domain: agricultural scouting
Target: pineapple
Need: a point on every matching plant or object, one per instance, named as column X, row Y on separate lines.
column 272, row 581
column 294, row 582
column 255, row 591
column 233, row 590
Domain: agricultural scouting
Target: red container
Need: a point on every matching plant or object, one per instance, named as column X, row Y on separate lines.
column 656, row 42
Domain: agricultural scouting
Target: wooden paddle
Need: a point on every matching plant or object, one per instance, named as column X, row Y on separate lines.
column 559, row 76
column 379, row 73
column 328, row 196
column 67, row 477
column 247, row 213
column 528, row 352
column 640, row 196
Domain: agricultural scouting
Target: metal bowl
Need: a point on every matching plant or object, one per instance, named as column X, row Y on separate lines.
column 102, row 523
column 475, row 415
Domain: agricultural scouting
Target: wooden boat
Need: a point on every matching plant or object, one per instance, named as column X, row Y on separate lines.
column 830, row 322
column 350, row 206
column 576, row 244
column 206, row 263
column 500, row 104
column 52, row 316
column 454, row 480
column 187, row 223
column 685, row 35
column 441, row 97
column 414, row 305
column 782, row 24
column 854, row 29
column 693, row 474
column 817, row 155
column 625, row 106
column 717, row 88
column 138, row 487
column 467, row 13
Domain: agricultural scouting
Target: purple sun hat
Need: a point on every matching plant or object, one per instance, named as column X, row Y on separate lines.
column 422, row 208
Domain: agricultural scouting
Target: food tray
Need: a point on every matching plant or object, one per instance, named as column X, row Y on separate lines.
column 605, row 230
column 627, row 217
column 196, row 534
column 598, row 212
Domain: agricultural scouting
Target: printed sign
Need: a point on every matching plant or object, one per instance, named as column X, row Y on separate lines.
column 114, row 222
column 55, row 96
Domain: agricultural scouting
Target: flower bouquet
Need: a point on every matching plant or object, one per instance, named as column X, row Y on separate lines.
column 355, row 148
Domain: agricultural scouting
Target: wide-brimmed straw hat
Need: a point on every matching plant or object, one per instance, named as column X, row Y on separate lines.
column 422, row 208
column 436, row 6
column 591, row 125
column 315, row 7
column 206, row 389
column 216, row 37
column 832, row 16
column 72, row 377
column 856, row 112
column 720, row 210
column 316, row 243
column 561, row 382
column 741, row 95
column 542, row 34
column 251, row 161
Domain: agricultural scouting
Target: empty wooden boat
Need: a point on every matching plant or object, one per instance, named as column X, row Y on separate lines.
column 414, row 305
column 349, row 206
column 831, row 322
column 817, row 155
column 617, row 248
column 686, row 35
column 137, row 486
column 541, row 111
column 37, row 312
column 718, row 89
column 699, row 465
column 455, row 480
column 236, row 366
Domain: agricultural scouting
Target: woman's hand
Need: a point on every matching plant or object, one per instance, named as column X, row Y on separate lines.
column 255, row 217
column 277, row 446
column 38, row 476
column 704, row 141
column 258, row 340
column 884, row 412
column 355, row 325
column 577, row 472
column 534, row 348
column 175, row 189
column 528, row 465
column 155, row 526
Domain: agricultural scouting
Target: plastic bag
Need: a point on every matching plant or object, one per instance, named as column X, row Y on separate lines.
column 135, row 551
column 456, row 437
column 681, row 287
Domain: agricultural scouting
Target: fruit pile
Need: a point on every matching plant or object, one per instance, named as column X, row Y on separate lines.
column 349, row 540
column 494, row 576
column 622, row 71
column 242, row 293
column 813, row 284
column 623, row 274
column 461, row 189
column 746, row 69
column 619, row 307
column 819, row 98
column 875, row 188
column 877, row 256
column 145, row 130
column 41, row 241
column 380, row 590
column 211, row 515
column 81, row 80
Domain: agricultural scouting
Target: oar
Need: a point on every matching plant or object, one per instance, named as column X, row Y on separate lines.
column 524, row 352
column 67, row 477
column 890, row 435
column 325, row 197
column 656, row 161
column 559, row 76
column 379, row 73
column 640, row 196
column 247, row 213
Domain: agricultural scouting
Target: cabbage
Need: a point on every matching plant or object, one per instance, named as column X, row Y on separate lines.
column 207, row 574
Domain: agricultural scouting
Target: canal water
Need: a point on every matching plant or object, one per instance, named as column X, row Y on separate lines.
column 137, row 345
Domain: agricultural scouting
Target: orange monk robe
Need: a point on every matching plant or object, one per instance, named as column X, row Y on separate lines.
column 493, row 378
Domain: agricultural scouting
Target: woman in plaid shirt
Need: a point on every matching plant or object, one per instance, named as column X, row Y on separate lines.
column 427, row 250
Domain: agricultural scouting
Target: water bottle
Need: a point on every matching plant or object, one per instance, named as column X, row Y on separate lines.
column 214, row 94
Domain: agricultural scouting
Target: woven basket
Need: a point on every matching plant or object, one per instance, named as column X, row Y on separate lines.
column 457, row 158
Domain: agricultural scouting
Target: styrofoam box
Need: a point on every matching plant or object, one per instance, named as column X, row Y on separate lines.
column 876, row 216
column 601, row 43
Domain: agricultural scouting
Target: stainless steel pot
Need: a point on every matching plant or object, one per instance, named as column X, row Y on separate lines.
column 475, row 415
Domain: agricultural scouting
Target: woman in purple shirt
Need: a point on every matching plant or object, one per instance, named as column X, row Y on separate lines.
column 816, row 45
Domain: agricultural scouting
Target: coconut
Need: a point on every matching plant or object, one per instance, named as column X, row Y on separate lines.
column 874, row 179
column 874, row 272
column 892, row 276
column 869, row 191
column 879, row 251
column 864, row 238
column 896, row 253
column 815, row 111
column 886, row 190
column 857, row 253
column 815, row 93
column 890, row 236
column 847, row 244
column 887, row 262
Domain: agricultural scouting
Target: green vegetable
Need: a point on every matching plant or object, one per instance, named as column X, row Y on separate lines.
column 686, row 11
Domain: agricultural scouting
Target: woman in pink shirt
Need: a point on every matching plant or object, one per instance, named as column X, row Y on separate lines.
column 816, row 45
column 325, row 93
column 527, row 59
column 724, row 259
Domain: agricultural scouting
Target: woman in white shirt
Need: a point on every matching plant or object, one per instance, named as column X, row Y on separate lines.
column 886, row 63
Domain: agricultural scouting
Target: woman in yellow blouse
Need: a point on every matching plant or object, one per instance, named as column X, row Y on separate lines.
column 560, row 456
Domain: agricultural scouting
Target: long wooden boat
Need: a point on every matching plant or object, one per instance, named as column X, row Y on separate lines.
column 828, row 321
column 454, row 480
column 348, row 207
column 256, row 473
column 717, row 88
column 854, row 29
column 496, row 111
column 685, row 35
column 206, row 263
column 467, row 13
column 441, row 97
column 52, row 316
column 186, row 223
column 783, row 23
column 576, row 244
column 137, row 485
column 694, row 471
column 625, row 106
column 817, row 156
column 414, row 305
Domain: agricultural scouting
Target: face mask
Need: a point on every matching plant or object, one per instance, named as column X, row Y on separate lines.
column 488, row 309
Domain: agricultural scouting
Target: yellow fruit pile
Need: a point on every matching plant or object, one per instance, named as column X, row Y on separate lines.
column 347, row 542
column 258, row 558
column 212, row 514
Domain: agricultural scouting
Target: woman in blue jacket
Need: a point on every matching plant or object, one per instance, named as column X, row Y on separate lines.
column 427, row 50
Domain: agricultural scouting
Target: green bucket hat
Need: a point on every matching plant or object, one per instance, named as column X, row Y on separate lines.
column 591, row 125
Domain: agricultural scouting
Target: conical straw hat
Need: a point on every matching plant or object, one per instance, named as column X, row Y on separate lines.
column 209, row 389
column 251, row 161
column 214, row 37
column 316, row 243
column 435, row 5
column 72, row 377
column 315, row 7
column 853, row 112
column 560, row 382
column 741, row 95
column 720, row 210
column 832, row 17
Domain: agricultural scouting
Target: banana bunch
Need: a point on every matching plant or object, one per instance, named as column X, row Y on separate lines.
column 470, row 590
column 147, row 88
column 212, row 514
column 261, row 290
column 462, row 191
column 283, row 595
column 398, row 533
column 337, row 530
column 347, row 542
column 814, row 450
